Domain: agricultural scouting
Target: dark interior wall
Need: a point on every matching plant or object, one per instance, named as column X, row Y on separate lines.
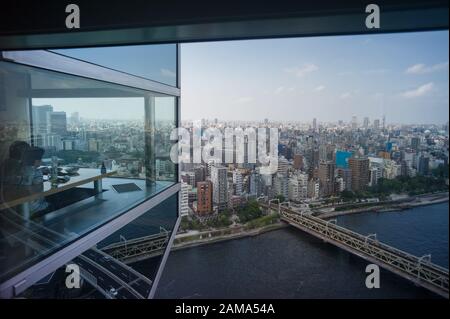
column 40, row 24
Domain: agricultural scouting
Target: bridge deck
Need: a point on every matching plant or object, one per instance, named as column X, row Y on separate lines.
column 421, row 272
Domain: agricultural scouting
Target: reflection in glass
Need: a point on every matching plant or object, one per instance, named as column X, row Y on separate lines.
column 90, row 151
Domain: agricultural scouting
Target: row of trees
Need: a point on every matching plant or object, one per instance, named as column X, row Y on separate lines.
column 250, row 212
column 404, row 184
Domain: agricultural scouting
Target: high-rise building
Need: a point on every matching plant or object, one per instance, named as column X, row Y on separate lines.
column 376, row 124
column 75, row 118
column 342, row 159
column 281, row 185
column 346, row 175
column 327, row 178
column 189, row 178
column 359, row 168
column 58, row 123
column 298, row 187
column 298, row 162
column 376, row 167
column 237, row 182
column 254, row 184
column 40, row 118
column 204, row 198
column 354, row 122
column 424, row 164
column 313, row 188
column 220, row 186
column 366, row 123
column 415, row 143
column 200, row 173
column 283, row 165
column 314, row 125
column 184, row 202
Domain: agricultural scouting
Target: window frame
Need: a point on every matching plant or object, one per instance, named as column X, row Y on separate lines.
column 55, row 62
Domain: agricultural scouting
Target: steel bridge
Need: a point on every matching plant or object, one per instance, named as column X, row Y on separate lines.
column 419, row 270
column 133, row 250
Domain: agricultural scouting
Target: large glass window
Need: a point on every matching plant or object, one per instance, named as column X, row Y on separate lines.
column 75, row 153
column 154, row 62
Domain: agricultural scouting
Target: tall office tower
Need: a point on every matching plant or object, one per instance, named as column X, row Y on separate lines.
column 40, row 118
column 354, row 122
column 237, row 182
column 384, row 122
column 204, row 198
column 298, row 162
column 366, row 123
column 346, row 175
column 376, row 124
column 220, row 186
column 415, row 143
column 327, row 178
column 359, row 167
column 314, row 125
column 184, row 202
column 424, row 164
column 58, row 123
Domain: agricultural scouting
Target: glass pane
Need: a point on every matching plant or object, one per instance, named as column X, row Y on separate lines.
column 124, row 265
column 74, row 154
column 153, row 62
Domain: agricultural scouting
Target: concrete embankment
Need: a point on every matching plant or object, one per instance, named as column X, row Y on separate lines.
column 205, row 239
column 387, row 207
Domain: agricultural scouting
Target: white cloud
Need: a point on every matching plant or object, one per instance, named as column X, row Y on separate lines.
column 282, row 89
column 168, row 73
column 244, row 100
column 319, row 88
column 279, row 90
column 346, row 95
column 303, row 70
column 418, row 92
column 422, row 68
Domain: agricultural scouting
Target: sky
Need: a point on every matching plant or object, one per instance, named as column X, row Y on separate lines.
column 403, row 76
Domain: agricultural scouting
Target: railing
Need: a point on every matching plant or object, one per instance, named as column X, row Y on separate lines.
column 424, row 273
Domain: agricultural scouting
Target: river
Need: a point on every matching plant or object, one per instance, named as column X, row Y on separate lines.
column 288, row 263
